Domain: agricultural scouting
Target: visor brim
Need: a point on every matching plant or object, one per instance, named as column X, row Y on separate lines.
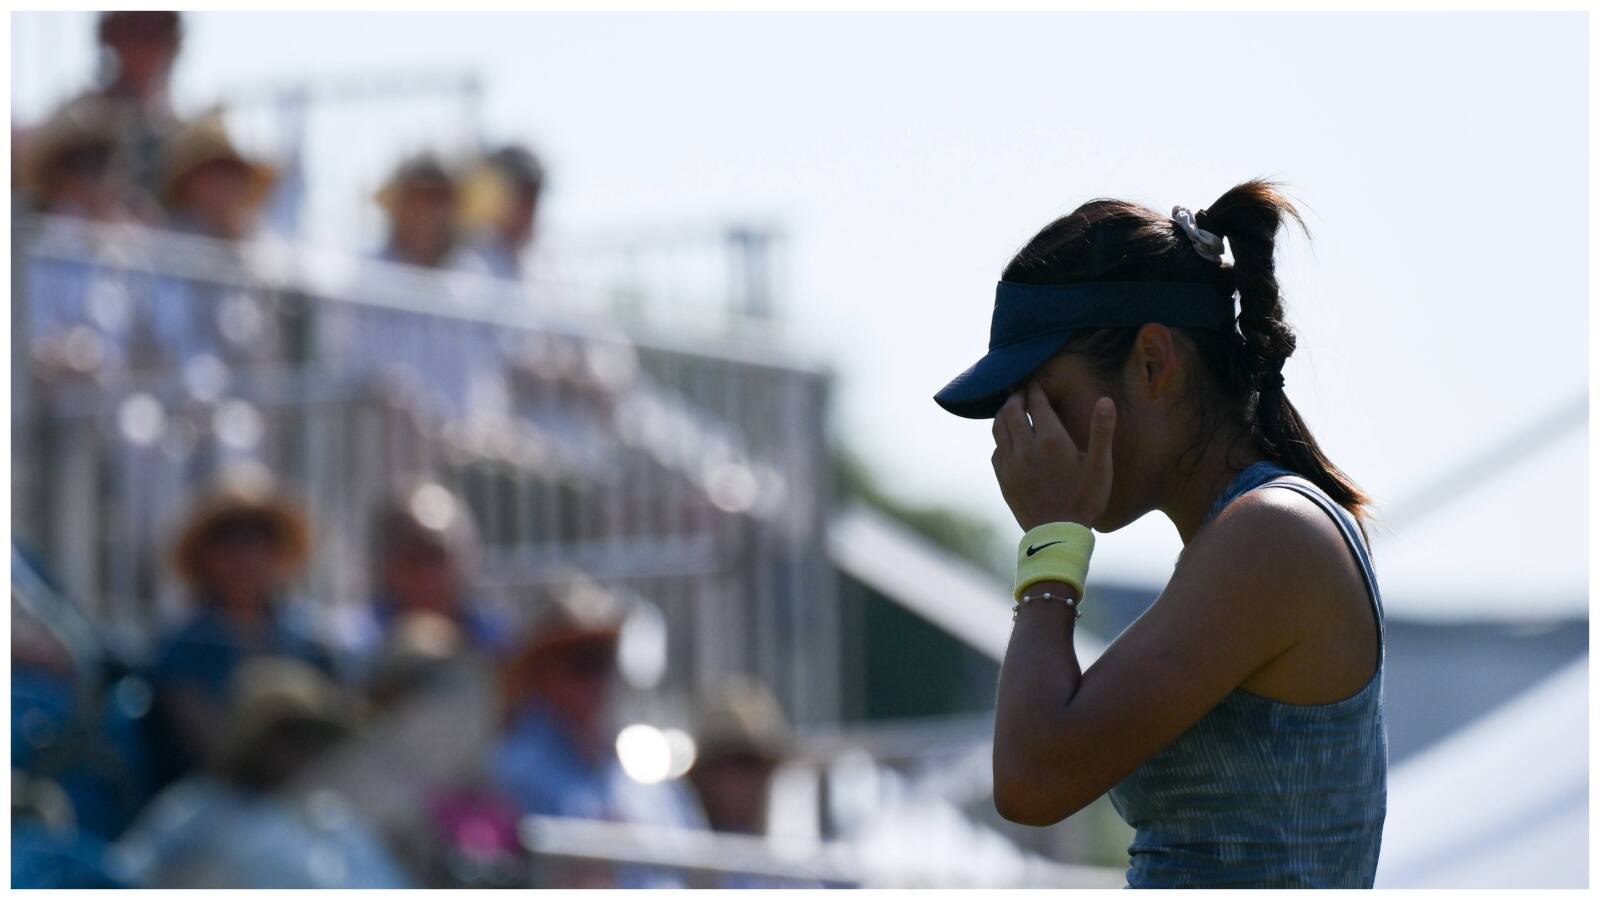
column 980, row 391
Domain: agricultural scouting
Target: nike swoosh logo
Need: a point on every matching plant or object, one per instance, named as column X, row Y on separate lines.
column 1033, row 550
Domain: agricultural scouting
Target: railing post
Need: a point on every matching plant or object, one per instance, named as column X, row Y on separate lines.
column 750, row 256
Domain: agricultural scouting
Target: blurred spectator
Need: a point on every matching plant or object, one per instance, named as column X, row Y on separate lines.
column 419, row 200
column 76, row 758
column 208, row 187
column 75, row 310
column 458, row 831
column 422, row 649
column 249, row 824
column 138, row 49
column 500, row 200
column 48, row 849
column 421, row 255
column 239, row 548
column 424, row 547
column 66, row 164
column 477, row 835
column 62, row 730
column 93, row 309
column 74, row 781
column 558, row 756
column 741, row 738
column 212, row 190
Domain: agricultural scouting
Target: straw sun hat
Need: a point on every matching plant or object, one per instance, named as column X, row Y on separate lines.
column 744, row 719
column 82, row 125
column 421, row 170
column 206, row 140
column 237, row 497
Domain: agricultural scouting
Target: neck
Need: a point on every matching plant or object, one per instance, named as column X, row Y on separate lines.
column 1194, row 491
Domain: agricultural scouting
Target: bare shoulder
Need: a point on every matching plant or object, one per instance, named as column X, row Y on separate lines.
column 1288, row 521
column 1280, row 551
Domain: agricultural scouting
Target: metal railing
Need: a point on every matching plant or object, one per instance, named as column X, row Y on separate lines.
column 688, row 473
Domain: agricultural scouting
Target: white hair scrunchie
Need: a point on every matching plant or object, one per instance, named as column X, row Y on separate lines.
column 1205, row 243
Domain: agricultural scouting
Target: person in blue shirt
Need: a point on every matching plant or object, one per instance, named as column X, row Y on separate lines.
column 76, row 758
column 424, row 549
column 66, row 728
column 75, row 308
column 241, row 545
column 558, row 755
column 260, row 817
column 212, row 191
column 48, row 848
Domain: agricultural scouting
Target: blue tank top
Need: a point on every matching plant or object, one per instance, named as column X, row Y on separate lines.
column 1261, row 792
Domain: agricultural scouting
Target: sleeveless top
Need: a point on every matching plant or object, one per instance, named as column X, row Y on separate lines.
column 1261, row 792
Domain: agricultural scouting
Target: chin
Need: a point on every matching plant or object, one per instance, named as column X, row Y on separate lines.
column 1115, row 519
column 1106, row 525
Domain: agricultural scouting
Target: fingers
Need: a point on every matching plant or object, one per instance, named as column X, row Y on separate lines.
column 1013, row 421
column 1102, row 424
column 1002, row 435
column 1045, row 423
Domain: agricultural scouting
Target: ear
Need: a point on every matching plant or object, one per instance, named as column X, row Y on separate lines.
column 1154, row 361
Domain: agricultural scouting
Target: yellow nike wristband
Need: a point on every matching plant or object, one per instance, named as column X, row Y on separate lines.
column 1054, row 551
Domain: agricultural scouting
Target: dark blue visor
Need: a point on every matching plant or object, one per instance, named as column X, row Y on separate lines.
column 1031, row 322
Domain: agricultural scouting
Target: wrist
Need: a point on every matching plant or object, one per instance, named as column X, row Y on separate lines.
column 1058, row 596
column 1056, row 589
column 1062, row 518
column 1054, row 552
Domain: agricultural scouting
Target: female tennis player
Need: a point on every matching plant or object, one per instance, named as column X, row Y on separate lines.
column 1238, row 724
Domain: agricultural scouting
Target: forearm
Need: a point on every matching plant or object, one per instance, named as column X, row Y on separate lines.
column 1038, row 678
column 1059, row 493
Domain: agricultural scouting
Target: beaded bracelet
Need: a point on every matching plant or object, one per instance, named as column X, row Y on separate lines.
column 1068, row 599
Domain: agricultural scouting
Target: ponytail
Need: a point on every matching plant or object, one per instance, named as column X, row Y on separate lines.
column 1249, row 216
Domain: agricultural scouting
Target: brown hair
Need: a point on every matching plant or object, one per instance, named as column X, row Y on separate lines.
column 1114, row 240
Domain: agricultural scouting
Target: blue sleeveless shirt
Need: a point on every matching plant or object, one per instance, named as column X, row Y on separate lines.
column 1264, row 793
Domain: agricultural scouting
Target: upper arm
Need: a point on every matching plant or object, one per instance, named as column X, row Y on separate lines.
column 1240, row 597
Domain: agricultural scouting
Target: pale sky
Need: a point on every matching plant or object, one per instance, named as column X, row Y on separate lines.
column 1441, row 160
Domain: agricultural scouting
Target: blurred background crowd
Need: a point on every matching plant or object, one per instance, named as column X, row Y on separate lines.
column 118, row 152
column 429, row 555
column 197, row 719
column 403, row 568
